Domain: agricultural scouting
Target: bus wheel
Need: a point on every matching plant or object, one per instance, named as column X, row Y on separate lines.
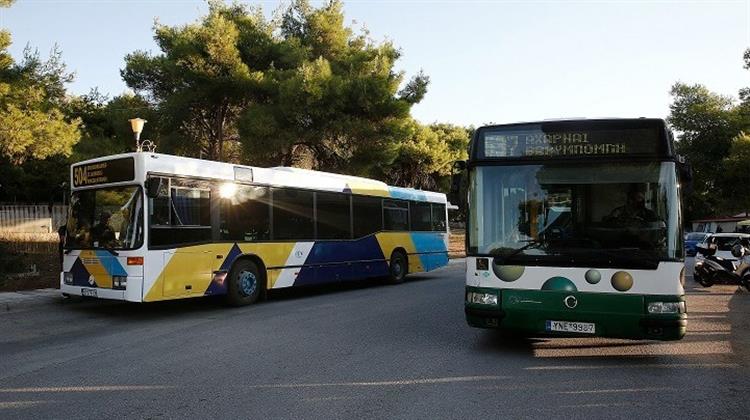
column 245, row 283
column 398, row 268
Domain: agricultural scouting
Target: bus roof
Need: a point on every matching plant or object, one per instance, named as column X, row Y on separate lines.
column 280, row 176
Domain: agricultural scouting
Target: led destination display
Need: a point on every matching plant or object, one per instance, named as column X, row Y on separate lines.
column 116, row 170
column 531, row 143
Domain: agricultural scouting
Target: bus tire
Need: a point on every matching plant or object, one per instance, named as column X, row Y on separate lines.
column 245, row 283
column 398, row 268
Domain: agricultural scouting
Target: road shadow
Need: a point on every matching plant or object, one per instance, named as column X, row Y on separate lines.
column 505, row 342
column 305, row 291
column 739, row 319
column 216, row 304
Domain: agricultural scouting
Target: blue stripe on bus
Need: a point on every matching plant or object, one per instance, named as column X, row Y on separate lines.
column 407, row 194
column 229, row 260
column 80, row 274
column 367, row 248
column 110, row 263
column 344, row 260
column 432, row 244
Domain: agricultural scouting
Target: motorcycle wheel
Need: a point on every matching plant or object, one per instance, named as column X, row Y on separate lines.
column 704, row 281
column 745, row 280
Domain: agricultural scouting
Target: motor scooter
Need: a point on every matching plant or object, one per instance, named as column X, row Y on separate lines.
column 714, row 269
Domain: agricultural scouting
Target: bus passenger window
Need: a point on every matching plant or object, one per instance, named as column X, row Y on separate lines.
column 420, row 216
column 180, row 214
column 190, row 207
column 292, row 214
column 160, row 205
column 246, row 215
column 438, row 217
column 395, row 215
column 368, row 215
column 333, row 216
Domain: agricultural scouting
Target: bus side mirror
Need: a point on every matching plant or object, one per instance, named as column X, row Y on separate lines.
column 153, row 185
column 457, row 194
column 686, row 174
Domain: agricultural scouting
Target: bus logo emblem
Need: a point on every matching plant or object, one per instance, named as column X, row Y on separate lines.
column 571, row 302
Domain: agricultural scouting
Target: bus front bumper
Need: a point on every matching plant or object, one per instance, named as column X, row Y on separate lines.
column 613, row 315
column 131, row 293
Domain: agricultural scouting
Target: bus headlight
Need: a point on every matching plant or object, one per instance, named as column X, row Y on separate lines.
column 68, row 278
column 666, row 307
column 119, row 282
column 481, row 298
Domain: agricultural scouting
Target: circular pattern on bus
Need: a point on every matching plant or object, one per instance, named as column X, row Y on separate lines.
column 593, row 276
column 508, row 272
column 560, row 284
column 622, row 281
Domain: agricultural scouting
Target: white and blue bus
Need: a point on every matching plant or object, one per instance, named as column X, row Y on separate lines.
column 147, row 227
column 574, row 228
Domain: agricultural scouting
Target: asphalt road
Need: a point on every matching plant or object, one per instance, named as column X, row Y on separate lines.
column 369, row 351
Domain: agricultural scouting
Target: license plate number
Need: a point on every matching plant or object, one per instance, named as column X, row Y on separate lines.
column 88, row 292
column 571, row 327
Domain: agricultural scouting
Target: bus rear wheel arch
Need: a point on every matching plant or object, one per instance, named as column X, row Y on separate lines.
column 246, row 282
column 398, row 266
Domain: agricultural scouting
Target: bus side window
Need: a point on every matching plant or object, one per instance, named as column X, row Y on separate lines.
column 292, row 214
column 395, row 215
column 333, row 215
column 368, row 215
column 246, row 215
column 180, row 214
column 160, row 207
column 190, row 207
column 421, row 216
column 438, row 217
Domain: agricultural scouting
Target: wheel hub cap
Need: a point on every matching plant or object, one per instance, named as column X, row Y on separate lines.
column 247, row 283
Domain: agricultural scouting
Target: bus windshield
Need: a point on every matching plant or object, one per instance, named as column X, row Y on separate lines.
column 598, row 214
column 108, row 218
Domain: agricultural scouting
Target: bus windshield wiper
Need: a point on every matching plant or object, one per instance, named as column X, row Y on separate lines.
column 532, row 243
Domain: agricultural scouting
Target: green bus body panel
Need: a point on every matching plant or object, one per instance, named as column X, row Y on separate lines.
column 615, row 315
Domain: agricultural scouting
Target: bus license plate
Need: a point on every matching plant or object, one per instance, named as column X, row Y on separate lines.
column 572, row 327
column 88, row 292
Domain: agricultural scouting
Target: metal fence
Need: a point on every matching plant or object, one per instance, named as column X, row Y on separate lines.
column 32, row 218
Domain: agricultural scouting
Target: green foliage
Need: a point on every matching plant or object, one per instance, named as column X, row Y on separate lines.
column 32, row 93
column 105, row 127
column 736, row 176
column 706, row 123
column 205, row 76
column 337, row 106
column 425, row 159
column 302, row 90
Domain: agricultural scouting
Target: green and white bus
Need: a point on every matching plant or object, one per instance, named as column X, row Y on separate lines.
column 574, row 228
column 147, row 227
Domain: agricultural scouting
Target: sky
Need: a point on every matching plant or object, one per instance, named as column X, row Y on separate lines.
column 488, row 61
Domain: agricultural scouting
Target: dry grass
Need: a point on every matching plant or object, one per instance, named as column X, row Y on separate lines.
column 456, row 248
column 28, row 252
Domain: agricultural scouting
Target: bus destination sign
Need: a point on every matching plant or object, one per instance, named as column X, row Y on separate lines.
column 570, row 144
column 117, row 170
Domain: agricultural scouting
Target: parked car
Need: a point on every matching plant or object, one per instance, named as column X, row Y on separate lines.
column 723, row 243
column 692, row 239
